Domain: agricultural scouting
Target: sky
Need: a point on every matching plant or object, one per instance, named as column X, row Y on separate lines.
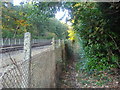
column 17, row 2
column 58, row 15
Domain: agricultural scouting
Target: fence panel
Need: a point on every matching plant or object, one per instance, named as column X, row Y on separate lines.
column 13, row 76
column 39, row 71
column 43, row 69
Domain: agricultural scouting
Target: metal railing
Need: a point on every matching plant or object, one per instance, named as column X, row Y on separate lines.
column 16, row 41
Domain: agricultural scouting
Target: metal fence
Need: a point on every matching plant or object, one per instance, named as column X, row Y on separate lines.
column 13, row 76
column 33, row 71
column 20, row 41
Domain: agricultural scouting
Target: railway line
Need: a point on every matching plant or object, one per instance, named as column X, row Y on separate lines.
column 15, row 51
column 15, row 47
column 18, row 55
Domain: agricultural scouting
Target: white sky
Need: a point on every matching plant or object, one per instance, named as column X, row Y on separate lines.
column 60, row 14
column 17, row 2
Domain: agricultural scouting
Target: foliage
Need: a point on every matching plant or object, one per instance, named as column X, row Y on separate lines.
column 71, row 34
column 100, row 39
column 37, row 18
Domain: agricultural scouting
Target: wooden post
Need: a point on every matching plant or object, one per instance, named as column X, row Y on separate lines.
column 26, row 60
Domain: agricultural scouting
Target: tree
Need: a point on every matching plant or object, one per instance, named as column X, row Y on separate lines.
column 37, row 18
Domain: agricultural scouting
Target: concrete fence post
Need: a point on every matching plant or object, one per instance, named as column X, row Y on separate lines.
column 19, row 41
column 1, row 42
column 53, row 43
column 26, row 60
column 27, row 46
column 33, row 41
column 63, row 48
column 15, row 41
column 37, row 40
column 53, row 84
column 1, row 71
column 63, row 43
column 9, row 41
column 59, row 42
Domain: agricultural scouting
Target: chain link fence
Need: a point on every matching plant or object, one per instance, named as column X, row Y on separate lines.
column 37, row 72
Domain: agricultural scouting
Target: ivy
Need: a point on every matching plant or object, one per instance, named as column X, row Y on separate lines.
column 100, row 40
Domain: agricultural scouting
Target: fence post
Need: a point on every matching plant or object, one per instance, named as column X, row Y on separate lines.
column 9, row 41
column 33, row 41
column 63, row 48
column 53, row 43
column 59, row 42
column 1, row 72
column 1, row 42
column 19, row 41
column 15, row 41
column 53, row 85
column 63, row 43
column 26, row 60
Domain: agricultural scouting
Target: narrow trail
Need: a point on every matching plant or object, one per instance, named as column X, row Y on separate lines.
column 68, row 77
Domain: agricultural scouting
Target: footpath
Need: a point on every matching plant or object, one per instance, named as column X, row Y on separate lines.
column 71, row 78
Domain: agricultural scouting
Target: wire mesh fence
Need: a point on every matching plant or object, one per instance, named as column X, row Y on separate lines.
column 41, row 74
column 13, row 76
column 43, row 69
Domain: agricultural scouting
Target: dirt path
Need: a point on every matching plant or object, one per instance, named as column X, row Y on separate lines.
column 70, row 78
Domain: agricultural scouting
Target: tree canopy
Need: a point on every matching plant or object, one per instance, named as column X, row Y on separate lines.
column 37, row 18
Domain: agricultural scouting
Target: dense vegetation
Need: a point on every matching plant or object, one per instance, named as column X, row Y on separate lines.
column 37, row 18
column 97, row 29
